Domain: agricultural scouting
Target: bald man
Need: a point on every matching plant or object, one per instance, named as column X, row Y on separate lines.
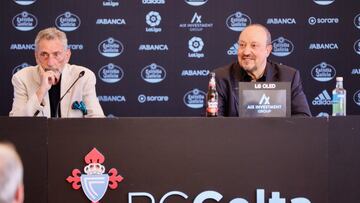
column 253, row 66
column 11, row 175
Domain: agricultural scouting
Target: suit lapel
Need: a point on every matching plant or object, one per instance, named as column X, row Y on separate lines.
column 271, row 73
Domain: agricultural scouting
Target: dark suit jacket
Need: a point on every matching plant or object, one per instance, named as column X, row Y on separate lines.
column 227, row 78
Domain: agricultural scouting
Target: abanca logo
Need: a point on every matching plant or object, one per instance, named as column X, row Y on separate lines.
column 68, row 22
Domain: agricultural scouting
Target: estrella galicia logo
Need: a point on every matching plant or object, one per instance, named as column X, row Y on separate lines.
column 24, row 21
column 19, row 67
column 110, row 47
column 282, row 47
column 233, row 49
column 153, row 73
column 24, row 2
column 68, row 22
column 323, row 72
column 196, row 2
column 238, row 21
column 95, row 181
column 194, row 99
column 357, row 21
column 111, row 73
column 357, row 46
column 357, row 97
column 324, row 2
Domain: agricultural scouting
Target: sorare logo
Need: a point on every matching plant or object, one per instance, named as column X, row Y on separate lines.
column 24, row 21
column 282, row 47
column 110, row 47
column 111, row 73
column 194, row 99
column 24, row 2
column 68, row 22
column 196, row 2
column 323, row 72
column 153, row 73
column 238, row 21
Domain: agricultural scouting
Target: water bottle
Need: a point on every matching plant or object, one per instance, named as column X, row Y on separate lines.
column 339, row 98
column 212, row 98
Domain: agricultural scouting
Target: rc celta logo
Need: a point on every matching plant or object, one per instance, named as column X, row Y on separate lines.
column 153, row 19
column 357, row 46
column 110, row 47
column 323, row 72
column 233, row 49
column 196, row 45
column 19, row 67
column 357, row 97
column 24, row 2
column 282, row 47
column 196, row 2
column 357, row 21
column 94, row 182
column 194, row 99
column 68, row 22
column 324, row 2
column 24, row 21
column 238, row 21
column 111, row 73
column 153, row 73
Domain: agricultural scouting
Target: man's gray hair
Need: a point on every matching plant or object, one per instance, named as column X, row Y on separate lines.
column 11, row 172
column 51, row 34
column 268, row 35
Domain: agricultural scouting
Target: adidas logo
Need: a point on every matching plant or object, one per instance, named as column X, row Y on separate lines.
column 233, row 50
column 322, row 99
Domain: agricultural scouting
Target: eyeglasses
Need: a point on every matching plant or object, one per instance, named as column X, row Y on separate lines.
column 58, row 55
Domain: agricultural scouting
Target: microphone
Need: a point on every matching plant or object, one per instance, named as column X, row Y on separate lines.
column 82, row 73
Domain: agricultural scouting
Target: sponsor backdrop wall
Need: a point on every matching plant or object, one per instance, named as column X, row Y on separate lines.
column 153, row 57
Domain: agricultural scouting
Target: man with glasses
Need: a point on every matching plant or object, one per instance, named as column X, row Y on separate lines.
column 253, row 66
column 42, row 90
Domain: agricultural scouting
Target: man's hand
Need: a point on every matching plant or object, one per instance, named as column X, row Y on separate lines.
column 48, row 78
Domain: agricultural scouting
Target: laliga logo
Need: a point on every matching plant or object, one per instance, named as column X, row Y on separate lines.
column 94, row 183
column 19, row 67
column 282, row 47
column 153, row 73
column 357, row 21
column 196, row 44
column 194, row 99
column 324, row 2
column 111, row 73
column 153, row 18
column 68, row 22
column 323, row 72
column 238, row 21
column 357, row 97
column 196, row 2
column 24, row 21
column 357, row 46
column 24, row 2
column 110, row 47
